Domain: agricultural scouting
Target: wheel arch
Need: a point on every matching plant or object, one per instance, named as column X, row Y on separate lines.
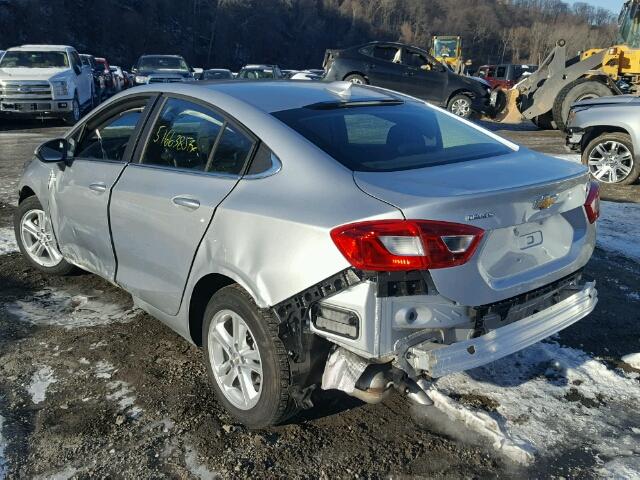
column 597, row 130
column 25, row 192
column 460, row 91
column 202, row 292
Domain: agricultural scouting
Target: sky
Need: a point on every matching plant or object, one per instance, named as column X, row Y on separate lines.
column 613, row 5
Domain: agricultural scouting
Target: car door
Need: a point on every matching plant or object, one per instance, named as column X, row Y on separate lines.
column 425, row 77
column 79, row 192
column 382, row 65
column 163, row 204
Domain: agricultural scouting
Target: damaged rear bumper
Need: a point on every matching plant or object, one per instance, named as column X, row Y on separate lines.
column 438, row 360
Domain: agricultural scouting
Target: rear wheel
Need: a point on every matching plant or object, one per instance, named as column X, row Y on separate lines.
column 34, row 235
column 246, row 359
column 610, row 159
column 460, row 105
column 356, row 78
column 574, row 92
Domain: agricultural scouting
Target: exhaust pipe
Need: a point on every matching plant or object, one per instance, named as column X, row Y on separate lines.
column 370, row 382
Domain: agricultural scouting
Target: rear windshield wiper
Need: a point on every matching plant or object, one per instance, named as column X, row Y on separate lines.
column 353, row 103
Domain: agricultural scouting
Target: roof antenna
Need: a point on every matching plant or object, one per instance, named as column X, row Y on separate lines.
column 341, row 89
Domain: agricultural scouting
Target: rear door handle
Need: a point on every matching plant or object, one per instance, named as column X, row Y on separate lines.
column 98, row 187
column 186, row 202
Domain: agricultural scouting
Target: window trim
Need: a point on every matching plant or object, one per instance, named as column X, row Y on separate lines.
column 143, row 140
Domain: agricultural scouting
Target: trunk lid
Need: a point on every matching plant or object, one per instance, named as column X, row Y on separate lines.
column 530, row 206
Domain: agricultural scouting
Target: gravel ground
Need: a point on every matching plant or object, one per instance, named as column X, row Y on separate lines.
column 90, row 387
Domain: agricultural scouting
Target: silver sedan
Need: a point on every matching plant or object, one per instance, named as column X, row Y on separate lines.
column 311, row 233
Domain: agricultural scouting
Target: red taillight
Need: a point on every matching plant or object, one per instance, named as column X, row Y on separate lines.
column 592, row 203
column 390, row 245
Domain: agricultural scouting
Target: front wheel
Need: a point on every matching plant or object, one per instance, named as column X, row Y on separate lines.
column 34, row 235
column 246, row 359
column 74, row 115
column 356, row 78
column 460, row 105
column 610, row 159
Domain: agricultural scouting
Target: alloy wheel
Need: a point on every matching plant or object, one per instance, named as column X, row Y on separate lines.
column 610, row 162
column 37, row 238
column 235, row 359
column 461, row 107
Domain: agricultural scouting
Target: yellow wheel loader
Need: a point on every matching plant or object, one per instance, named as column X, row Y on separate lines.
column 448, row 49
column 546, row 96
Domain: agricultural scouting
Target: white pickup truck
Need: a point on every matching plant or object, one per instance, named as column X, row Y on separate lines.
column 45, row 81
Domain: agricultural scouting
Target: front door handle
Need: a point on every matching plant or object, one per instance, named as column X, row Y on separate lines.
column 186, row 202
column 98, row 187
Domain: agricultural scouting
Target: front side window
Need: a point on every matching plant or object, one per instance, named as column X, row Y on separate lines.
column 392, row 137
column 109, row 141
column 183, row 137
column 34, row 59
column 413, row 58
column 501, row 72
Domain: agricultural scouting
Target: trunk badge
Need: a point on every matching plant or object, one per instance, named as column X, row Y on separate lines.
column 544, row 202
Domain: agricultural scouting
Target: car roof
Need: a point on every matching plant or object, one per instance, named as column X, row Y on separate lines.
column 277, row 95
column 217, row 70
column 160, row 55
column 31, row 47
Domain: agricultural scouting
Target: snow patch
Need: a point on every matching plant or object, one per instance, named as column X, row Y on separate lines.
column 550, row 396
column 618, row 225
column 486, row 426
column 196, row 468
column 70, row 309
column 7, row 241
column 122, row 393
column 633, row 360
column 65, row 474
column 104, row 369
column 572, row 157
column 40, row 382
column 621, row 469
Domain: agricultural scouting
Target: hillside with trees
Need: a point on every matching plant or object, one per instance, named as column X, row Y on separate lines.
column 295, row 33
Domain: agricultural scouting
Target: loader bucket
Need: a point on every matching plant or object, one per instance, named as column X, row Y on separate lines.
column 507, row 106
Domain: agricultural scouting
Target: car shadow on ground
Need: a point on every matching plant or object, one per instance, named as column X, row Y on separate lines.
column 8, row 125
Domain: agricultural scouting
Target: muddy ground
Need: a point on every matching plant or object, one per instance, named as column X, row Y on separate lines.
column 91, row 388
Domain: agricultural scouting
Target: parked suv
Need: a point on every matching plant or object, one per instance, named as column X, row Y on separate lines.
column 162, row 69
column 506, row 75
column 606, row 131
column 410, row 70
column 45, row 81
column 99, row 85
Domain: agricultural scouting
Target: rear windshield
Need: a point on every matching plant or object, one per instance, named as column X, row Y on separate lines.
column 35, row 59
column 386, row 138
column 256, row 74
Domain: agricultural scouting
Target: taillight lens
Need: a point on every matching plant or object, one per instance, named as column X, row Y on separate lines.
column 592, row 203
column 391, row 245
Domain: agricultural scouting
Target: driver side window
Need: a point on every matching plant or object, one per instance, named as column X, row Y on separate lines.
column 109, row 141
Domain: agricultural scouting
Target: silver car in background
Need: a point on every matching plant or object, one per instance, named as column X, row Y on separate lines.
column 606, row 131
column 308, row 233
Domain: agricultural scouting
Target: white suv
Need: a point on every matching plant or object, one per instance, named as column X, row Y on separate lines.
column 45, row 81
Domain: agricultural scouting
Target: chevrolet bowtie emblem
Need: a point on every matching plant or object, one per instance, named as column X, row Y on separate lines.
column 544, row 202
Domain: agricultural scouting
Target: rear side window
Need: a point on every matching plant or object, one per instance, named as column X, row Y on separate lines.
column 183, row 136
column 383, row 138
column 501, row 72
column 232, row 151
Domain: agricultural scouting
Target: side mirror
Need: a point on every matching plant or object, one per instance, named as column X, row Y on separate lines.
column 77, row 69
column 54, row 151
column 134, row 69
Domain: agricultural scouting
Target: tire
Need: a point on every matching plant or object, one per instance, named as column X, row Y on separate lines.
column 273, row 403
column 73, row 117
column 460, row 105
column 356, row 78
column 544, row 121
column 29, row 210
column 578, row 90
column 621, row 144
